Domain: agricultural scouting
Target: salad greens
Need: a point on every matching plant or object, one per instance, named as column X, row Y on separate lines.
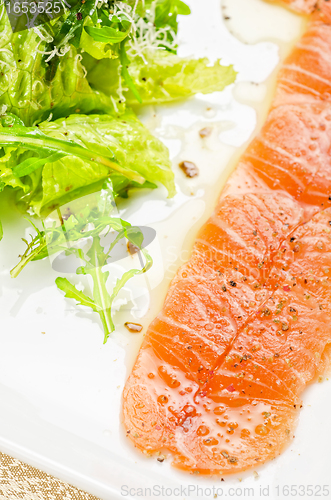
column 64, row 238
column 57, row 161
column 160, row 78
column 67, row 90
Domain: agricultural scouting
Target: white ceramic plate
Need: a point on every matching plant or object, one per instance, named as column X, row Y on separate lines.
column 60, row 391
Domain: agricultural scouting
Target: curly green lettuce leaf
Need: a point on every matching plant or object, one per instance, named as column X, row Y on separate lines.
column 32, row 88
column 8, row 177
column 165, row 78
column 133, row 146
column 68, row 158
column 125, row 61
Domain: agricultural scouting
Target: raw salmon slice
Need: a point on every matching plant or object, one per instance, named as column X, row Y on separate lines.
column 301, row 6
column 306, row 74
column 245, row 325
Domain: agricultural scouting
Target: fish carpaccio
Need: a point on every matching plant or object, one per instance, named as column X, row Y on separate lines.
column 302, row 6
column 246, row 322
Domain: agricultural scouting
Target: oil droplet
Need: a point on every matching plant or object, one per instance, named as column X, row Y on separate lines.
column 169, row 378
column 162, row 399
column 219, row 410
column 202, row 430
column 133, row 327
column 234, row 425
column 174, row 383
column 262, row 430
column 244, row 433
column 151, row 375
column 210, row 441
column 189, row 410
column 222, row 423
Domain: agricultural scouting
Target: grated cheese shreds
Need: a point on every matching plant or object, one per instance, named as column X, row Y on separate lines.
column 147, row 37
column 144, row 35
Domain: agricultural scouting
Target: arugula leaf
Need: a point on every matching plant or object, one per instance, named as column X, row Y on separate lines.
column 31, row 164
column 102, row 301
column 125, row 73
column 62, row 239
column 93, row 267
column 48, row 242
column 166, row 10
column 72, row 26
column 71, row 292
column 166, row 13
column 106, row 34
column 98, row 50
column 182, row 8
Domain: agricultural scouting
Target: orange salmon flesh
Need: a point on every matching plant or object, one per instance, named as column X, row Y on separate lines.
column 246, row 322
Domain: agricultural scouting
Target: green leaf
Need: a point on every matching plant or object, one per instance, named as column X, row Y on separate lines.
column 71, row 292
column 9, row 120
column 163, row 8
column 71, row 28
column 167, row 77
column 32, row 138
column 98, row 50
column 91, row 149
column 182, row 8
column 31, row 164
column 106, row 34
column 131, row 143
column 62, row 238
column 32, row 89
column 166, row 13
column 164, row 79
column 36, row 249
column 125, row 73
column 1, row 231
column 7, row 176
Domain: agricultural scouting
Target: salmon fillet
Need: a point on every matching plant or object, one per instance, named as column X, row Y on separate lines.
column 301, row 6
column 246, row 322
